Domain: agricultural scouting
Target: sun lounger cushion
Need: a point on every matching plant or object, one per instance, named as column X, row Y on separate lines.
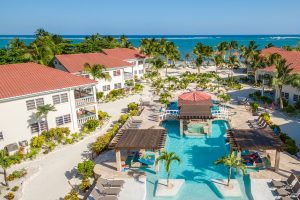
column 111, row 191
column 282, row 192
column 108, row 198
column 277, row 184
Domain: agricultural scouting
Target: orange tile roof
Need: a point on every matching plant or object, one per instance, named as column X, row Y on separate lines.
column 75, row 62
column 194, row 98
column 29, row 78
column 292, row 57
column 124, row 53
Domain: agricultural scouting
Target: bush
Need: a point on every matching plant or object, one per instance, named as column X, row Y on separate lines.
column 10, row 196
column 16, row 174
column 290, row 144
column 291, row 110
column 84, row 185
column 123, row 118
column 15, row 188
column 103, row 115
column 91, row 124
column 37, row 141
column 75, row 136
column 254, row 106
column 99, row 96
column 32, row 153
column 50, row 145
column 138, row 88
column 73, row 195
column 69, row 141
column 86, row 168
column 57, row 134
column 134, row 112
column 100, row 144
column 225, row 97
column 132, row 106
column 113, row 94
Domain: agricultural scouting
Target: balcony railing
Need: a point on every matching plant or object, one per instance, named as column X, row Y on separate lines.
column 85, row 117
column 128, row 76
column 84, row 101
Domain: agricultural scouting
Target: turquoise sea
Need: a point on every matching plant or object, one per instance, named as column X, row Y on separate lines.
column 185, row 43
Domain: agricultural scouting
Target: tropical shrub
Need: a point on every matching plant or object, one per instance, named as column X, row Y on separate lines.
column 73, row 195
column 91, row 124
column 100, row 144
column 84, row 185
column 37, row 141
column 15, row 188
column 10, row 196
column 103, row 115
column 16, row 174
column 86, row 168
column 290, row 144
column 69, row 141
column 132, row 106
column 75, row 136
column 123, row 118
column 99, row 95
column 57, row 134
column 32, row 153
column 138, row 88
column 225, row 97
column 113, row 94
column 290, row 109
column 254, row 106
column 134, row 112
column 266, row 117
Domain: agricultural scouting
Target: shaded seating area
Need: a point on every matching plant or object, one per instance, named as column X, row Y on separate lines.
column 255, row 140
column 132, row 146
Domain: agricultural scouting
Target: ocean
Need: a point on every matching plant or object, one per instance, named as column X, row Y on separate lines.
column 185, row 43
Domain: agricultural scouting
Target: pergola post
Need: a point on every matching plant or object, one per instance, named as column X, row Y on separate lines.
column 181, row 127
column 118, row 160
column 277, row 159
column 156, row 156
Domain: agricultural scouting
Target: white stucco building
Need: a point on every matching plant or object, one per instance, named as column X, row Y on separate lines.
column 24, row 87
column 121, row 63
column 291, row 94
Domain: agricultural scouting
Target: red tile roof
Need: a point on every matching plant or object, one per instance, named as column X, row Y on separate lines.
column 75, row 62
column 292, row 57
column 194, row 98
column 29, row 78
column 124, row 53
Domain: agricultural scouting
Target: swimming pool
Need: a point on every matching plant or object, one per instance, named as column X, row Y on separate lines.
column 197, row 163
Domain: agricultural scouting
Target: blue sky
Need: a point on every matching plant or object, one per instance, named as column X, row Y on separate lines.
column 151, row 17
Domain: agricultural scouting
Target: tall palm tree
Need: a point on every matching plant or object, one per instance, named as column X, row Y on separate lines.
column 222, row 48
column 199, row 62
column 168, row 158
column 187, row 58
column 256, row 64
column 43, row 111
column 231, row 161
column 170, row 52
column 248, row 52
column 232, row 62
column 282, row 77
column 125, row 43
column 96, row 71
column 232, row 45
column 218, row 60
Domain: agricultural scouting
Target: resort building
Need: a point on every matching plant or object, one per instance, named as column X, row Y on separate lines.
column 24, row 87
column 121, row 64
column 291, row 94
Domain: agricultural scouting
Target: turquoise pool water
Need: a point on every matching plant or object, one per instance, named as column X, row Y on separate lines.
column 197, row 165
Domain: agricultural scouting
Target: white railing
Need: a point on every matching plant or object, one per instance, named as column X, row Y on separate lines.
column 85, row 100
column 222, row 113
column 82, row 119
column 169, row 114
column 128, row 76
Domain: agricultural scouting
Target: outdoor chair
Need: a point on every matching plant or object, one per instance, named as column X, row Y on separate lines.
column 108, row 190
column 97, row 196
column 110, row 183
column 283, row 183
column 291, row 197
column 285, row 192
column 255, row 120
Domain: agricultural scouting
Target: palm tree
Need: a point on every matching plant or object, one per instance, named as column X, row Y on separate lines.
column 269, row 45
column 43, row 111
column 6, row 161
column 256, row 64
column 231, row 161
column 232, row 62
column 282, row 77
column 170, row 52
column 187, row 58
column 218, row 60
column 96, row 71
column 168, row 158
column 247, row 52
column 199, row 62
column 125, row 43
column 232, row 45
column 222, row 48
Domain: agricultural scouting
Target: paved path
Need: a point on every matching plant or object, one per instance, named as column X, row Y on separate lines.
column 57, row 168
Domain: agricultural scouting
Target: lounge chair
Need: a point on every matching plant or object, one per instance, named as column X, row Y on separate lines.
column 285, row 192
column 283, row 183
column 97, row 196
column 110, row 183
column 292, row 197
column 255, row 120
column 108, row 191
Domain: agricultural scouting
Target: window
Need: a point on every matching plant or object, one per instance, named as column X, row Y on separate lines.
column 34, row 103
column 1, row 136
column 296, row 97
column 38, row 127
column 141, row 71
column 106, row 88
column 118, row 85
column 286, row 95
column 140, row 62
column 62, row 98
column 135, row 71
column 65, row 119
column 117, row 73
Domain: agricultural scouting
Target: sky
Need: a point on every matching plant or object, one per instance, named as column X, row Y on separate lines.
column 135, row 17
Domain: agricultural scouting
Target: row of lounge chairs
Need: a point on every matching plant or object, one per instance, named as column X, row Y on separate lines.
column 107, row 189
column 257, row 123
column 287, row 189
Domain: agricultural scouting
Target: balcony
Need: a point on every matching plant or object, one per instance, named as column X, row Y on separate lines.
column 128, row 76
column 84, row 101
column 84, row 116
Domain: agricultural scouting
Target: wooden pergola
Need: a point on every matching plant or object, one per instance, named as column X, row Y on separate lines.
column 140, row 139
column 255, row 139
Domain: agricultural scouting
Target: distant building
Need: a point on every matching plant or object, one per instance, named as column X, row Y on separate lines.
column 291, row 94
column 121, row 63
column 24, row 87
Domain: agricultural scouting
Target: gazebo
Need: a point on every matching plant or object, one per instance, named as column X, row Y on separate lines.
column 255, row 139
column 197, row 106
column 139, row 139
